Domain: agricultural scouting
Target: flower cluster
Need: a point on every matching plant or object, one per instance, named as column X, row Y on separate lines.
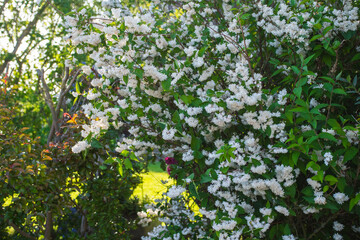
column 242, row 97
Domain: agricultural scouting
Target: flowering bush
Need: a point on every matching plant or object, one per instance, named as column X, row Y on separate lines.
column 256, row 101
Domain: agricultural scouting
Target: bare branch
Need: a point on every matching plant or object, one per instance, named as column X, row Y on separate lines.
column 50, row 103
column 64, row 90
column 47, row 95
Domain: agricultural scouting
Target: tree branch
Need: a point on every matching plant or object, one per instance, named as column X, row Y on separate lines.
column 55, row 8
column 26, row 32
column 17, row 229
column 49, row 102
column 323, row 225
column 3, row 6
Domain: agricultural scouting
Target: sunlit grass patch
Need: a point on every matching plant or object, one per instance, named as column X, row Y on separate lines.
column 152, row 187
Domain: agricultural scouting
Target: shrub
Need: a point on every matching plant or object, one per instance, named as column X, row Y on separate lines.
column 39, row 184
column 257, row 101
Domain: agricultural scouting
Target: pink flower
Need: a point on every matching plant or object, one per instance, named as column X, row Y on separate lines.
column 168, row 169
column 170, row 160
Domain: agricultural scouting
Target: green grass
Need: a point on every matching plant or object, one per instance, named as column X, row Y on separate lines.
column 152, row 187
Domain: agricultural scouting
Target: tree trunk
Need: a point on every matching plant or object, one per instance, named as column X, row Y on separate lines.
column 48, row 226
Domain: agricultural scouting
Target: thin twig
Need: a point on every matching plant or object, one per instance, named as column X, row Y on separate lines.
column 323, row 225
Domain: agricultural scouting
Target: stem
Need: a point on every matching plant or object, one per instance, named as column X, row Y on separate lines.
column 323, row 225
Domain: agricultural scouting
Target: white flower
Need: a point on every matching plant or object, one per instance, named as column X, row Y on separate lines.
column 97, row 82
column 86, row 70
column 282, row 210
column 340, row 198
column 338, row 226
column 175, row 191
column 80, row 146
column 275, row 187
column 188, row 156
column 288, row 237
column 327, row 158
column 198, row 62
column 265, row 211
column 337, row 236
column 168, row 134
column 319, row 198
column 191, row 121
column 189, row 51
column 93, row 95
column 281, row 96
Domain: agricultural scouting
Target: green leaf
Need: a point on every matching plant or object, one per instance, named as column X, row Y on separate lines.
column 327, row 29
column 139, row 73
column 133, row 157
column 128, row 164
column 289, row 116
column 356, row 57
column 195, row 143
column 315, row 37
column 295, row 157
column 349, row 34
column 341, row 184
column 327, row 136
column 245, row 16
column 202, row 51
column 205, row 178
column 277, row 72
column 296, row 70
column 339, row 91
column 297, row 91
column 120, row 169
column 77, row 86
column 187, row 99
column 109, row 160
column 328, row 87
column 126, row 79
column 319, row 176
column 95, row 143
column 287, row 230
column 166, row 84
column 300, row 109
column 334, row 124
column 354, row 201
column 176, row 117
column 350, row 154
column 317, row 26
column 328, row 79
column 307, row 191
column 331, row 205
column 331, row 179
column 291, row 191
column 193, row 191
column 308, row 59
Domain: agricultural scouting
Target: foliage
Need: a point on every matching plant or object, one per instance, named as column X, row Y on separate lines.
column 40, row 183
column 255, row 100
